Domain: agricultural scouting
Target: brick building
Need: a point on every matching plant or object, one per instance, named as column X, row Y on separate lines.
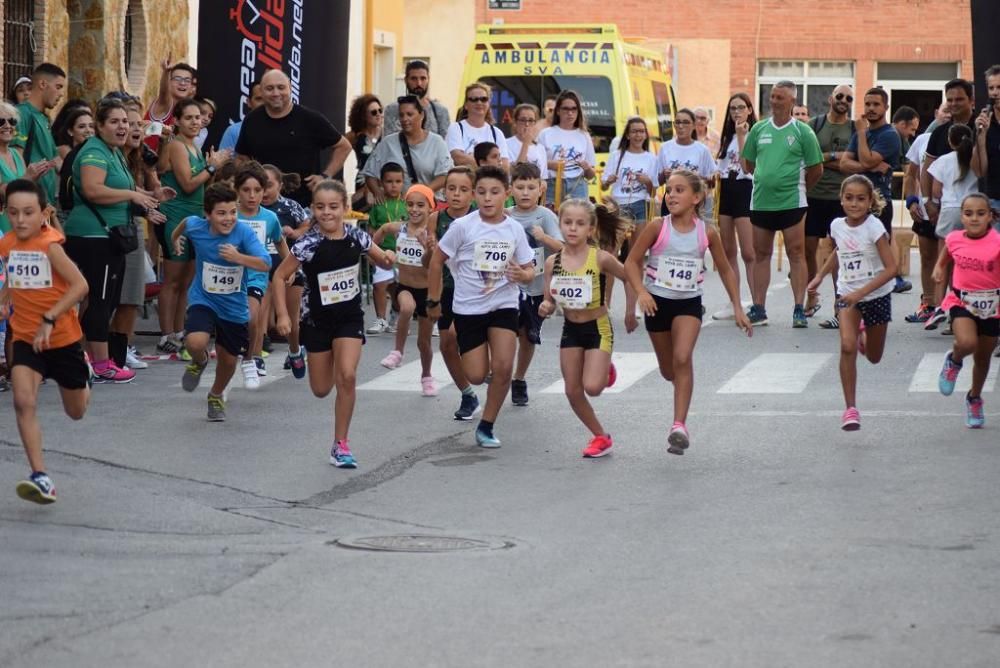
column 910, row 47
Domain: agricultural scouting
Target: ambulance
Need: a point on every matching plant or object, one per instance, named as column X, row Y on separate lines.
column 615, row 77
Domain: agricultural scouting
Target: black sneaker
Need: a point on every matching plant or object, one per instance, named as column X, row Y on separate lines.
column 469, row 407
column 519, row 392
column 267, row 346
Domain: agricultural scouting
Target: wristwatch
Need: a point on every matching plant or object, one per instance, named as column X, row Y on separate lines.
column 48, row 321
column 211, row 170
column 431, row 303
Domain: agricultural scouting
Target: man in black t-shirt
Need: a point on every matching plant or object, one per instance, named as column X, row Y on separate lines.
column 986, row 155
column 958, row 94
column 291, row 136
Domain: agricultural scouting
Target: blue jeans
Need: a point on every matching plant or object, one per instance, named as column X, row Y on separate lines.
column 574, row 187
column 637, row 210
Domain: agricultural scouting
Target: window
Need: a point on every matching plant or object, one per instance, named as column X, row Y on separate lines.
column 664, row 116
column 815, row 79
column 18, row 39
column 134, row 44
column 918, row 71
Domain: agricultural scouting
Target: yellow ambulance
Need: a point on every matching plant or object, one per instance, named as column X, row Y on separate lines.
column 615, row 77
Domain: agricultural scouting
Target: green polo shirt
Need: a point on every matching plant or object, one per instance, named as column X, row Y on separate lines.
column 43, row 145
column 82, row 222
column 781, row 156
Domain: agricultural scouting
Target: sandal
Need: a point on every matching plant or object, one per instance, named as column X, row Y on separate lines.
column 812, row 310
column 832, row 323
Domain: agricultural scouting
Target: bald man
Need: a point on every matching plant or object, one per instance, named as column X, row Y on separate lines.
column 290, row 136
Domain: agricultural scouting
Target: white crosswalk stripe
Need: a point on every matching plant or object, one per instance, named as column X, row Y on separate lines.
column 407, row 377
column 925, row 378
column 631, row 367
column 776, row 373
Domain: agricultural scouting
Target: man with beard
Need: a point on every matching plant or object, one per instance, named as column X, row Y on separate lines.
column 418, row 80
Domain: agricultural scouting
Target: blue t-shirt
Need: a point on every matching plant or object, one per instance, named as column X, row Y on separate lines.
column 230, row 136
column 268, row 230
column 215, row 279
column 884, row 141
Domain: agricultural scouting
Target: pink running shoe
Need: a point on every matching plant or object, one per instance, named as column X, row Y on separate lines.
column 598, row 446
column 109, row 372
column 612, row 374
column 678, row 440
column 851, row 420
column 428, row 387
column 392, row 360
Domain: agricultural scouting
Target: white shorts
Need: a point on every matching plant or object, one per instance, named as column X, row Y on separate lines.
column 383, row 276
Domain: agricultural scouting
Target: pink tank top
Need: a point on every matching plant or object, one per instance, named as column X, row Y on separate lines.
column 977, row 266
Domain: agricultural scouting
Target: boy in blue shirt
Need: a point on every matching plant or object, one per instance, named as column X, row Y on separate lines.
column 217, row 300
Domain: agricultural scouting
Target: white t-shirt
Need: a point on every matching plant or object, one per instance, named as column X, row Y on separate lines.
column 536, row 155
column 916, row 154
column 858, row 255
column 730, row 165
column 571, row 146
column 945, row 169
column 464, row 137
column 469, row 243
column 695, row 157
column 628, row 188
column 549, row 222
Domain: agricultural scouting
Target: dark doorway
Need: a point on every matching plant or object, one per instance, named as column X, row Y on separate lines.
column 924, row 101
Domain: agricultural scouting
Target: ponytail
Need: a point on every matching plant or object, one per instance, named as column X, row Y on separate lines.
column 960, row 138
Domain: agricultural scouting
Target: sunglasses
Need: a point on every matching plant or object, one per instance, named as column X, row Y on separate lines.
column 682, row 122
column 375, row 112
column 840, row 96
column 8, row 121
column 568, row 108
column 738, row 107
column 479, row 100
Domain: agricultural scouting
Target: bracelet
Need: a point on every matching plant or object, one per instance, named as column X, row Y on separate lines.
column 431, row 303
column 911, row 200
column 48, row 321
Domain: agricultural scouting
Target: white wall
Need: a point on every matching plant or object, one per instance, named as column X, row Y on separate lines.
column 192, row 55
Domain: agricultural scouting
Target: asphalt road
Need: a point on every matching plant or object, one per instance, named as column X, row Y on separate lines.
column 778, row 540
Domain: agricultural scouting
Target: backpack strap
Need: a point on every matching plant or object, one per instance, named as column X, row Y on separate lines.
column 699, row 225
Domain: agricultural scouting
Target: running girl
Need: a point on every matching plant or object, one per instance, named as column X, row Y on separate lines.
column 574, row 279
column 865, row 279
column 489, row 255
column 414, row 241
column 44, row 286
column 669, row 288
column 972, row 303
column 332, row 320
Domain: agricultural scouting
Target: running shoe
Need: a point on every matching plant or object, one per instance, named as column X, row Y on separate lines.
column 935, row 319
column 168, row 345
column 469, row 407
column 902, row 285
column 851, row 421
column 949, row 374
column 612, row 375
column 484, row 440
column 921, row 315
column 184, row 355
column 377, row 327
column 678, row 440
column 251, row 379
column 757, row 315
column 390, row 326
column 112, row 373
column 133, row 360
column 974, row 417
column 598, row 446
column 261, row 367
column 4, row 384
column 799, row 319
column 38, row 488
column 435, row 332
column 831, row 323
column 519, row 392
column 267, row 345
column 216, row 409
column 192, row 375
column 428, row 386
column 947, row 331
column 297, row 363
column 392, row 360
column 724, row 313
column 288, row 362
column 341, row 457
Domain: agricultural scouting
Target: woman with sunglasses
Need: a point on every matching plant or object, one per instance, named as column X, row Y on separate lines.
column 474, row 126
column 365, row 122
column 631, row 173
column 568, row 143
column 11, row 161
column 684, row 152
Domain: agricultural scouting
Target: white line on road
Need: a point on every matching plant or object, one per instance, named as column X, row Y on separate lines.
column 925, row 378
column 776, row 373
column 407, row 377
column 631, row 367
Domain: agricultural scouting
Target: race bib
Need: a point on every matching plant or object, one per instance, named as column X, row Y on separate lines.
column 259, row 228
column 678, row 273
column 492, row 256
column 572, row 292
column 217, row 279
column 854, row 267
column 409, row 252
column 29, row 270
column 982, row 303
column 338, row 286
column 539, row 261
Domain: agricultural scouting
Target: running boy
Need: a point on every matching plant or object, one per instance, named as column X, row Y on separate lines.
column 669, row 287
column 972, row 303
column 542, row 228
column 44, row 286
column 414, row 241
column 217, row 299
column 575, row 280
column 867, row 271
column 392, row 210
column 332, row 320
column 489, row 255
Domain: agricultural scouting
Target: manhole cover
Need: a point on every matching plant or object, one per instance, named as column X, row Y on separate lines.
column 420, row 543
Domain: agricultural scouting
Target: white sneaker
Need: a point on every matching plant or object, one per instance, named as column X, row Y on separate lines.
column 377, row 327
column 390, row 327
column 251, row 380
column 133, row 361
column 724, row 313
column 435, row 332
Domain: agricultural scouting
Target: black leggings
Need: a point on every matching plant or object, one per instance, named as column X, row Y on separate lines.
column 104, row 271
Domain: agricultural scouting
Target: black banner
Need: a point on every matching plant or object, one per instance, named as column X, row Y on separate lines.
column 985, row 45
column 238, row 40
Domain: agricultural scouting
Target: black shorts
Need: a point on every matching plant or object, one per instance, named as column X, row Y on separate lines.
column 447, row 314
column 821, row 213
column 776, row 221
column 473, row 330
column 668, row 309
column 419, row 296
column 255, row 292
column 925, row 229
column 876, row 311
column 886, row 218
column 984, row 326
column 275, row 261
column 595, row 334
column 233, row 336
column 317, row 338
column 66, row 365
column 734, row 197
column 528, row 319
